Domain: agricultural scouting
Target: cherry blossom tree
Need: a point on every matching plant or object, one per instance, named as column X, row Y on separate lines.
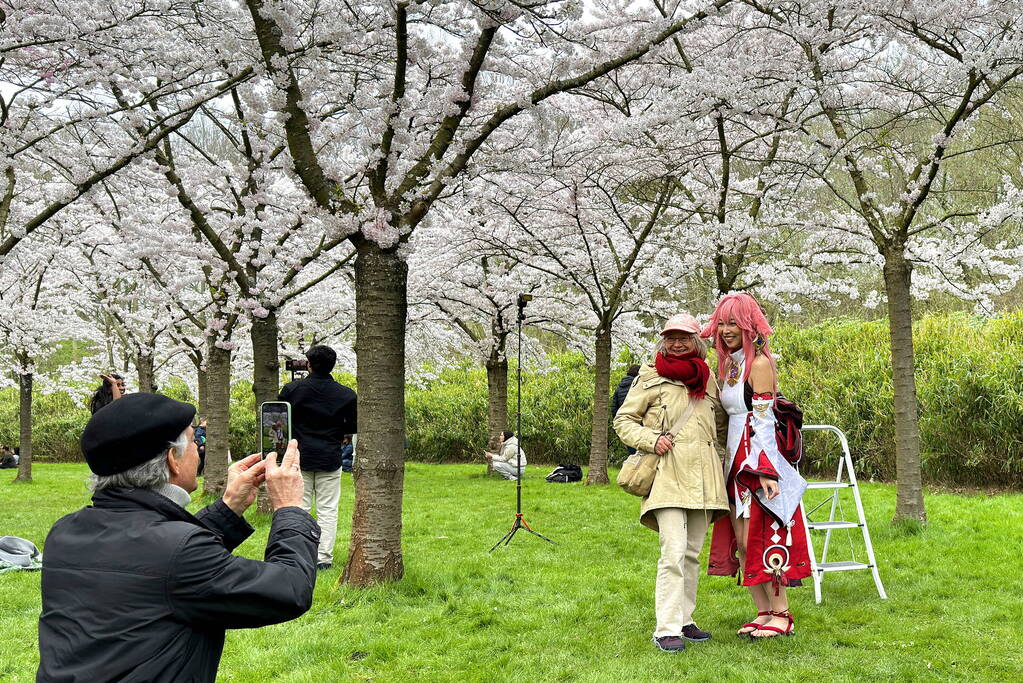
column 413, row 117
column 901, row 92
column 38, row 314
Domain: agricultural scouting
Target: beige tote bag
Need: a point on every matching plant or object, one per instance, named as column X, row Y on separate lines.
column 639, row 469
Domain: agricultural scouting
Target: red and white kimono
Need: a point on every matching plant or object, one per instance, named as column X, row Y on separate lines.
column 776, row 543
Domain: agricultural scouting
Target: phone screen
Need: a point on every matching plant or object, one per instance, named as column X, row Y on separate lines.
column 274, row 427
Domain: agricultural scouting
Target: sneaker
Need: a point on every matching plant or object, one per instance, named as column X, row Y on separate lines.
column 693, row 634
column 323, row 566
column 670, row 644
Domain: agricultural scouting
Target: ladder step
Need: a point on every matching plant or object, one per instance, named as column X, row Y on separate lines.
column 841, row 566
column 828, row 485
column 833, row 525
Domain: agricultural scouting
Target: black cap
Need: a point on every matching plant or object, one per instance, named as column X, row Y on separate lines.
column 131, row 430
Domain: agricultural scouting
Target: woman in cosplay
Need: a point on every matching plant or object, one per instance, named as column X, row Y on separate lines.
column 764, row 491
column 672, row 410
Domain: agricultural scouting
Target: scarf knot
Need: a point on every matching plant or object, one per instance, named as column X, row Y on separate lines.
column 689, row 369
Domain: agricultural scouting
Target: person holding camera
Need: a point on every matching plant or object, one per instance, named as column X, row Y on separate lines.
column 673, row 410
column 510, row 460
column 136, row 588
column 323, row 411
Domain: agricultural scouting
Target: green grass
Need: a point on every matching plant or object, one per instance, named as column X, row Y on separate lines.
column 583, row 610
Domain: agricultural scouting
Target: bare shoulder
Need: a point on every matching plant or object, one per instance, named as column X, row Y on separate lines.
column 761, row 374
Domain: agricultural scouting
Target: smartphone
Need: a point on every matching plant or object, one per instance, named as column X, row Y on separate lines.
column 274, row 428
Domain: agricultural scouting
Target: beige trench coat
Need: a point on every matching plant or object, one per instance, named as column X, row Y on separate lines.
column 691, row 474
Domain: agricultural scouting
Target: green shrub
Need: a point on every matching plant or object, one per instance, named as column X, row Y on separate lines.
column 969, row 376
column 969, row 381
column 447, row 418
column 56, row 439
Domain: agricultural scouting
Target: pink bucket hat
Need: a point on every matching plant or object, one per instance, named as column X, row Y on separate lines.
column 681, row 322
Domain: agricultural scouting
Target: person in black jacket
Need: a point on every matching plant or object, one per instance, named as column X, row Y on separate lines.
column 322, row 413
column 134, row 587
column 621, row 391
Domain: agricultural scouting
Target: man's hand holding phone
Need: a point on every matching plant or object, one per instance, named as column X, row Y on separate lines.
column 243, row 480
column 284, row 481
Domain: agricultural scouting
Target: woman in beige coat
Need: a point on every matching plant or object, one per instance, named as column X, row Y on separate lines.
column 688, row 492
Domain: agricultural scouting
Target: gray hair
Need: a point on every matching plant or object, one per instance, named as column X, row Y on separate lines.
column 148, row 475
column 700, row 342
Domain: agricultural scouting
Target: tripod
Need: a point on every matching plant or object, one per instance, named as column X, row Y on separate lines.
column 520, row 521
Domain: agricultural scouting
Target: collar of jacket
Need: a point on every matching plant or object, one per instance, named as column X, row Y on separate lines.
column 320, row 375
column 132, row 499
column 657, row 379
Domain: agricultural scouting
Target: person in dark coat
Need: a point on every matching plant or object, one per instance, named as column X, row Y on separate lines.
column 322, row 413
column 621, row 391
column 134, row 587
column 348, row 454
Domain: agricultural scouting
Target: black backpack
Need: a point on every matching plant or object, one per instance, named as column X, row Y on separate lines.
column 565, row 474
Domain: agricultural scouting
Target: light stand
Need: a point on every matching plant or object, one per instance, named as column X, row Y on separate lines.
column 520, row 522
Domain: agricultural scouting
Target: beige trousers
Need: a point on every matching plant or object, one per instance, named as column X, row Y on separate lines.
column 325, row 487
column 678, row 570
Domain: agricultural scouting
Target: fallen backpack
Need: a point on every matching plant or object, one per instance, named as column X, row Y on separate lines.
column 565, row 474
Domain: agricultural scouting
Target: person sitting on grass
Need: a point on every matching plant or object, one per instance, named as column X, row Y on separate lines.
column 135, row 587
column 7, row 459
column 507, row 461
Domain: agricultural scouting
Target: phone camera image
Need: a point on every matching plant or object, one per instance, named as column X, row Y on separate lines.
column 275, row 426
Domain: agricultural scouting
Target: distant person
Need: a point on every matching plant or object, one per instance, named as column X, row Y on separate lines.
column 200, row 443
column 322, row 413
column 134, row 587
column 507, row 461
column 108, row 392
column 621, row 391
column 347, row 454
column 7, row 459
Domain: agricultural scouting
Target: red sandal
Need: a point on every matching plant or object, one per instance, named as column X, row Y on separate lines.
column 752, row 624
column 789, row 630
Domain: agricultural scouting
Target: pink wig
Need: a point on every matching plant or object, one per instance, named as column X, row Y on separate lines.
column 747, row 314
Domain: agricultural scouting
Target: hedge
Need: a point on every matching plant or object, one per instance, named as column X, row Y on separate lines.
column 969, row 384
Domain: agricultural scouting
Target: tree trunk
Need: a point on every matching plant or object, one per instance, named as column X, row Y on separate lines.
column 497, row 395
column 266, row 366
column 266, row 375
column 25, row 420
column 202, row 384
column 144, row 365
column 897, row 278
column 218, row 414
column 601, row 392
column 381, row 301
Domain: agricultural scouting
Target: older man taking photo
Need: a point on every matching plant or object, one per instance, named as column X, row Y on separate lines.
column 134, row 587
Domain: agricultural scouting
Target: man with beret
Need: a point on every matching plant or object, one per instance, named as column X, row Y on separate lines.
column 134, row 587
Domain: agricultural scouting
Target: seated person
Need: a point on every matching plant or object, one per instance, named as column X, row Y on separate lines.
column 504, row 462
column 347, row 453
column 7, row 458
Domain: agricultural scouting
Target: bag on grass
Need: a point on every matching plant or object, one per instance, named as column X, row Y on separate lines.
column 565, row 474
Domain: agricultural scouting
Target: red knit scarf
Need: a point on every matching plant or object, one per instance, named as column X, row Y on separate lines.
column 689, row 369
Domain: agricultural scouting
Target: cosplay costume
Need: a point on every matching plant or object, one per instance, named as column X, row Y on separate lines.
column 776, row 543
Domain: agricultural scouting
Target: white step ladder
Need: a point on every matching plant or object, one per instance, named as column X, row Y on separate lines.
column 845, row 467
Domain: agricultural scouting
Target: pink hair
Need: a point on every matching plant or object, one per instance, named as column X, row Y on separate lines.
column 747, row 314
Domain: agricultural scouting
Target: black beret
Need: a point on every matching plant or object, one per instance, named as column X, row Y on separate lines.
column 131, row 430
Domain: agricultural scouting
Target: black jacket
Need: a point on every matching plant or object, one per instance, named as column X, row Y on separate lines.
column 621, row 391
column 322, row 412
column 135, row 588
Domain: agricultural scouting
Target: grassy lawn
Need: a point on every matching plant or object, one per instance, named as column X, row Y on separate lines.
column 583, row 610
